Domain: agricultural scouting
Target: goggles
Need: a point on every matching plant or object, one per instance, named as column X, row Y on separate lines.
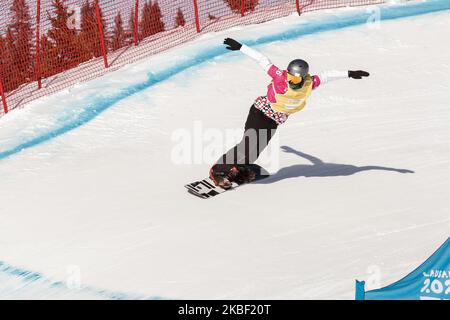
column 294, row 79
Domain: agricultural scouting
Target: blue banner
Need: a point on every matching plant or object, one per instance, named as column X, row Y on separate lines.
column 430, row 281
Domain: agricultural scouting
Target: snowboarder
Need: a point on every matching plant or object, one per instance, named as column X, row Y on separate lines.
column 286, row 94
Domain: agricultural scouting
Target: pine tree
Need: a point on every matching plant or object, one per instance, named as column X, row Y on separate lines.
column 2, row 49
column 236, row 5
column 151, row 22
column 143, row 24
column 21, row 36
column 131, row 27
column 179, row 20
column 119, row 37
column 49, row 58
column 61, row 46
column 158, row 25
column 10, row 77
column 89, row 31
column 2, row 57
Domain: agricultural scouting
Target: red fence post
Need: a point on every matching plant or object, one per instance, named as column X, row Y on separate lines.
column 37, row 69
column 136, row 23
column 297, row 3
column 242, row 8
column 197, row 20
column 101, row 35
column 2, row 94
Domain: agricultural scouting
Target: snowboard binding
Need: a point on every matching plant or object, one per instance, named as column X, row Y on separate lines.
column 224, row 175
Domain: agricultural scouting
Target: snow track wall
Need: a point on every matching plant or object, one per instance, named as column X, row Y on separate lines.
column 49, row 45
column 90, row 104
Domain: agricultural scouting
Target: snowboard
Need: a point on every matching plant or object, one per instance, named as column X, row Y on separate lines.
column 206, row 188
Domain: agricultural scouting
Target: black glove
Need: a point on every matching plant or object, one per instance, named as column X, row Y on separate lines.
column 232, row 44
column 359, row 74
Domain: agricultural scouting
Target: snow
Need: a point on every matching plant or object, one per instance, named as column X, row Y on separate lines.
column 106, row 195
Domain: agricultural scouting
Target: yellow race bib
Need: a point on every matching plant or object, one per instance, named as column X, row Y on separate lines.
column 293, row 100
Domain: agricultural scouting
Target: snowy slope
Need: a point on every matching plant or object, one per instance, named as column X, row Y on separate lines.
column 108, row 197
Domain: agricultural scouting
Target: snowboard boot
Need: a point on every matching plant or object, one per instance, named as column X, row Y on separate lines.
column 224, row 175
column 245, row 174
column 220, row 174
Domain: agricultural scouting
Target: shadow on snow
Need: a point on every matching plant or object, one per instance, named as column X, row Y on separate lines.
column 318, row 168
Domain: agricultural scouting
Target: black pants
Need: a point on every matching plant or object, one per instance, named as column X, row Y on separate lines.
column 259, row 129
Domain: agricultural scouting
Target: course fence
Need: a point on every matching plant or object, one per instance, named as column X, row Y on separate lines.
column 48, row 45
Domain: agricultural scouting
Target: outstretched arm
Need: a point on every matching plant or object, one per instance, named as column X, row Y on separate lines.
column 262, row 60
column 332, row 75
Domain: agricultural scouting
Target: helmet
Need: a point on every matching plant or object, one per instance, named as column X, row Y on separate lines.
column 298, row 68
column 297, row 71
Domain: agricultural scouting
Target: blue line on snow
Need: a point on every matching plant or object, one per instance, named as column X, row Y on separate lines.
column 58, row 288
column 91, row 111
